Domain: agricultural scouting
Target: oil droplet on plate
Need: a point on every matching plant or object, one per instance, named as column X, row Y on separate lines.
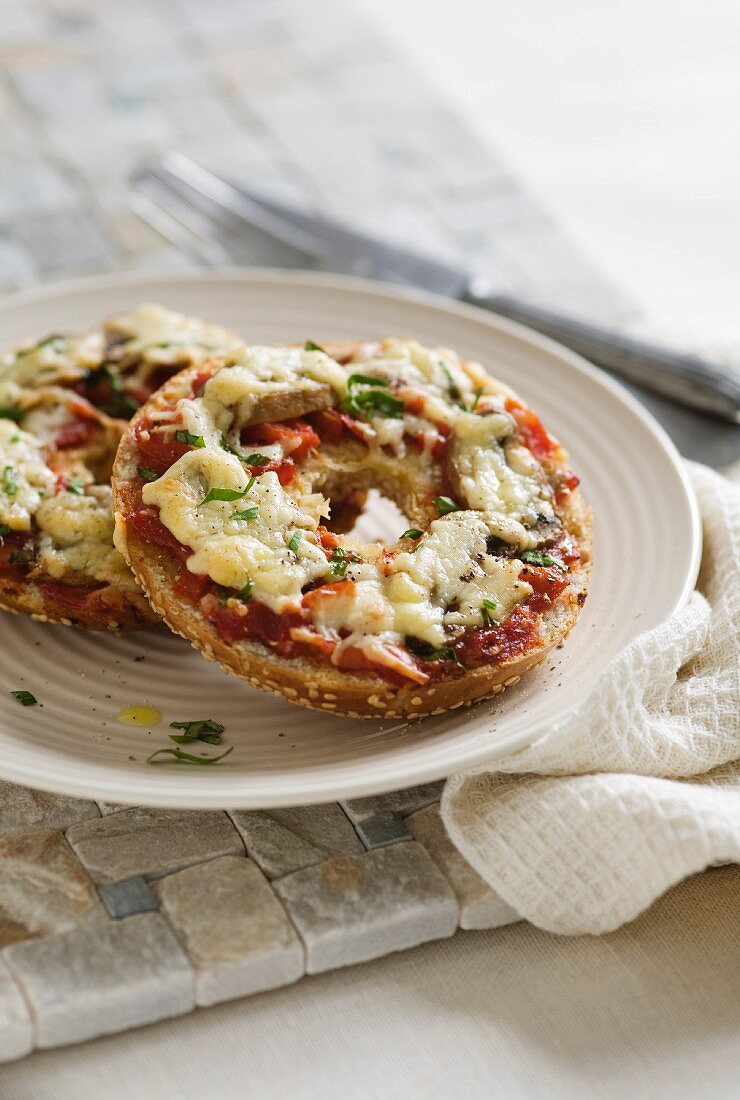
column 139, row 716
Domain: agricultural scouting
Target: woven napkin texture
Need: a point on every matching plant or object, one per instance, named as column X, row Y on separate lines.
column 639, row 786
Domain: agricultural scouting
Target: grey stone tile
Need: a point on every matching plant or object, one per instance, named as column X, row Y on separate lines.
column 70, row 239
column 400, row 802
column 22, row 808
column 381, row 830
column 151, row 842
column 16, row 1027
column 43, row 889
column 282, row 841
column 108, row 145
column 480, row 906
column 58, row 89
column 30, row 186
column 104, row 978
column 355, row 908
column 234, row 929
column 124, row 899
column 112, row 807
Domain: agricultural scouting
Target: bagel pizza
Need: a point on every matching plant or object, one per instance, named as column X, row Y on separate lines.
column 227, row 486
column 64, row 401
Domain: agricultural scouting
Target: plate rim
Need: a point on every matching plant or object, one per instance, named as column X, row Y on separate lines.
column 324, row 789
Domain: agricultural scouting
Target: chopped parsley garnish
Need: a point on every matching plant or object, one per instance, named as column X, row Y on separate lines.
column 146, row 473
column 226, row 494
column 446, row 505
column 120, row 404
column 427, row 652
column 246, row 592
column 74, row 485
column 295, row 540
column 476, row 399
column 24, row 698
column 371, row 402
column 452, row 388
column 310, row 346
column 11, row 412
column 340, row 559
column 486, row 607
column 4, row 530
column 256, row 460
column 365, row 380
column 54, row 341
column 248, row 513
column 203, row 729
column 188, row 437
column 177, row 756
column 538, row 557
column 227, row 446
column 412, row 533
column 10, row 484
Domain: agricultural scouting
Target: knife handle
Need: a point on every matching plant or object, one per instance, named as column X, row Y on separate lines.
column 689, row 379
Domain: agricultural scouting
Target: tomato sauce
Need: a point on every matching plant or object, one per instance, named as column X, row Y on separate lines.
column 532, row 430
column 71, row 597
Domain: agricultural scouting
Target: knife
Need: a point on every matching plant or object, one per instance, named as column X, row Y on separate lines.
column 691, row 380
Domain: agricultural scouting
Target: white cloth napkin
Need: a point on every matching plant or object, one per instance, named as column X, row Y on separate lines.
column 640, row 785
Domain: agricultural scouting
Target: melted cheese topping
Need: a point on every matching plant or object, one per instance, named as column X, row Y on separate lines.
column 433, row 592
column 75, row 535
column 24, row 476
column 163, row 336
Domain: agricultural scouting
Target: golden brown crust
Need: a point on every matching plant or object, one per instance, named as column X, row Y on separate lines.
column 323, row 686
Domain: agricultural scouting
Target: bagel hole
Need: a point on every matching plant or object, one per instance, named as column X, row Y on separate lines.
column 381, row 520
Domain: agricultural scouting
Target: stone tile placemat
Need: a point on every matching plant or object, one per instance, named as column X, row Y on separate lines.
column 112, row 917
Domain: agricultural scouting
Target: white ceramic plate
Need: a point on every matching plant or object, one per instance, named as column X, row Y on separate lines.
column 647, row 553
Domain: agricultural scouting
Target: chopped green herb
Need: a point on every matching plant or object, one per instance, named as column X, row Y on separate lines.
column 538, row 557
column 203, row 729
column 74, row 485
column 227, row 446
column 11, row 412
column 224, row 494
column 10, row 483
column 446, row 505
column 452, row 388
column 24, row 698
column 246, row 591
column 256, row 460
column 248, row 513
column 188, row 437
column 486, row 607
column 120, row 405
column 4, row 530
column 54, row 341
column 427, row 652
column 177, row 756
column 340, row 559
column 412, row 533
column 15, row 439
column 476, row 399
column 365, row 380
column 295, row 540
column 23, row 556
column 371, row 402
column 146, row 473
column 310, row 346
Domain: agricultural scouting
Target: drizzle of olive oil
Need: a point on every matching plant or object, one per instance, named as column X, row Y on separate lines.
column 139, row 716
